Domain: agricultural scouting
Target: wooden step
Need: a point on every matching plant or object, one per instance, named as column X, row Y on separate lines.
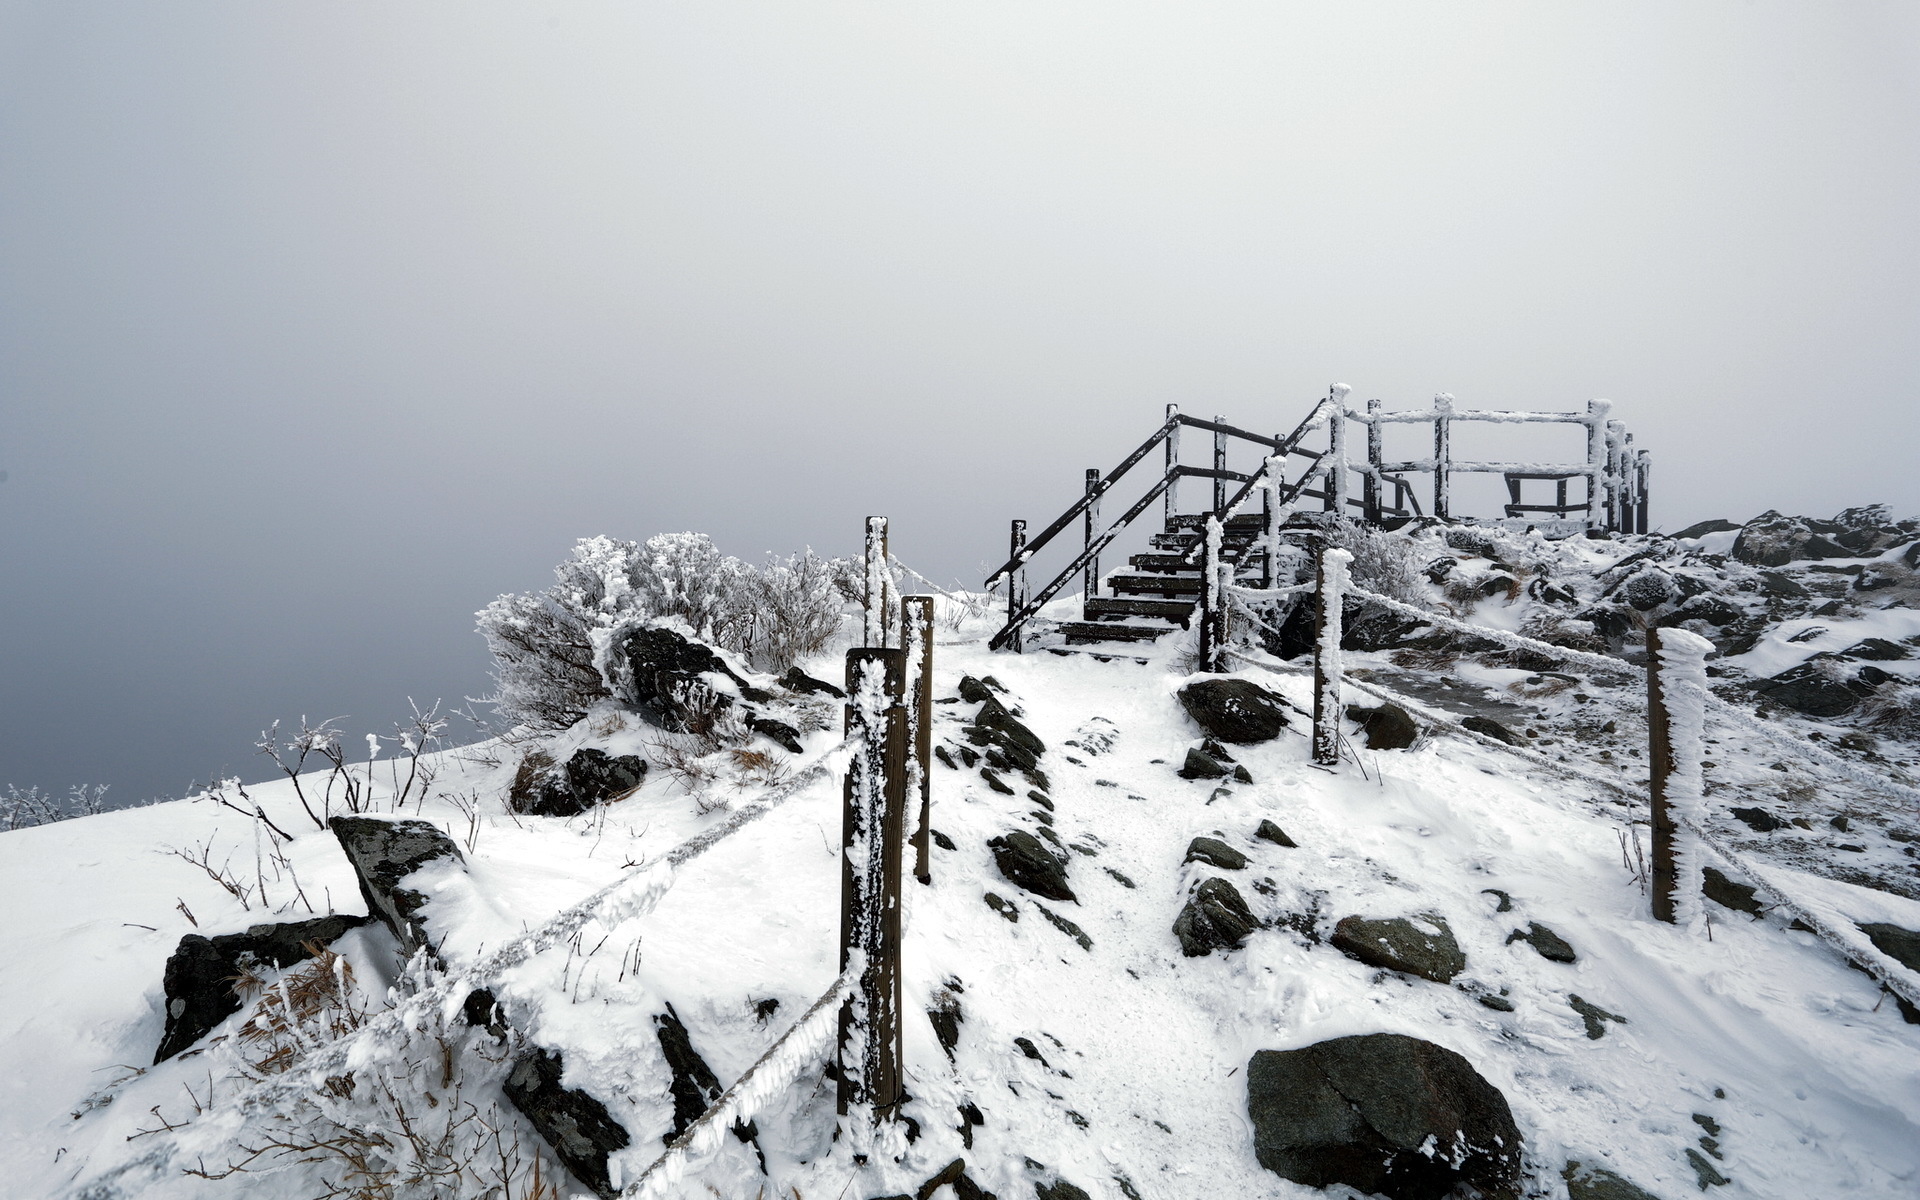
column 1185, row 541
column 1120, row 606
column 1085, row 632
column 1177, row 564
column 1254, row 521
column 1162, row 584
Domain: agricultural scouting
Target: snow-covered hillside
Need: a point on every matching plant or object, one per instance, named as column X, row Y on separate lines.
column 1059, row 1046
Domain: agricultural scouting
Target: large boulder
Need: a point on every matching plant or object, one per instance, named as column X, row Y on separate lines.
column 1234, row 710
column 1216, row 917
column 587, row 778
column 1028, row 864
column 1588, row 1182
column 1385, row 1114
column 1817, row 689
column 200, row 974
column 1387, row 727
column 1423, row 946
column 578, row 1127
column 383, row 853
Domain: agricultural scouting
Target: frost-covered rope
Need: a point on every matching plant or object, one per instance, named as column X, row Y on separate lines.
column 1595, row 662
column 1891, row 973
column 632, row 895
column 771, row 1075
column 1851, row 943
column 1247, row 593
column 1733, row 714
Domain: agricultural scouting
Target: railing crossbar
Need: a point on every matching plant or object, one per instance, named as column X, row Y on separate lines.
column 1080, row 506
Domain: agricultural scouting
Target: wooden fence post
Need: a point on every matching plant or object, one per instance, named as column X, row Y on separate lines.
column 1017, row 585
column 1370, row 490
column 1337, row 458
column 872, row 815
column 1442, row 456
column 1599, row 496
column 1173, row 465
column 877, row 614
column 1643, row 463
column 1330, row 590
column 1676, row 721
column 1219, row 464
column 1213, row 599
column 916, row 638
column 1091, row 587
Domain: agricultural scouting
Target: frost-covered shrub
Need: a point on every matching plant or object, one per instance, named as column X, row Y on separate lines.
column 20, row 810
column 1387, row 563
column 1893, row 709
column 545, row 644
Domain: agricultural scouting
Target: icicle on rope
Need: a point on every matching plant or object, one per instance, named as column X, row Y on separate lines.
column 767, row 1079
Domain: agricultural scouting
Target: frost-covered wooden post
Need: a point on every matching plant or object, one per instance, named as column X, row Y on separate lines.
column 1330, row 591
column 1643, row 463
column 916, row 638
column 877, row 613
column 1617, row 476
column 1337, row 455
column 872, row 815
column 1219, row 465
column 1599, row 496
column 1091, row 586
column 1442, row 456
column 1676, row 724
column 1016, row 586
column 1370, row 490
column 1213, row 599
column 1173, row 465
column 1271, row 504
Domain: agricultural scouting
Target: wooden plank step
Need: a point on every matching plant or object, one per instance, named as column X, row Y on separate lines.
column 1085, row 632
column 1120, row 606
column 1254, row 521
column 1183, row 541
column 1162, row 584
column 1177, row 564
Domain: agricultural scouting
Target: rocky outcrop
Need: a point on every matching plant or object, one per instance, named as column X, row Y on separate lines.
column 693, row 1085
column 1216, row 917
column 383, row 853
column 199, row 977
column 1422, row 946
column 676, row 683
column 587, row 778
column 578, row 1127
column 1387, row 727
column 1385, row 1114
column 1030, row 865
column 1234, row 710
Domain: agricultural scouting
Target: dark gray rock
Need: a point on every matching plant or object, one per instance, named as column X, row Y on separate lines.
column 1488, row 727
column 1703, row 1171
column 577, row 1126
column 1385, row 1114
column 1201, row 765
column 946, row 1018
column 199, row 976
column 1067, row 927
column 1758, row 819
column 1215, row 917
column 1725, row 892
column 1426, row 949
column 693, row 1085
column 1551, row 945
column 587, row 778
column 1585, row 1182
column 1772, row 540
column 657, row 671
column 1030, row 865
column 994, row 716
column 973, row 691
column 1215, row 853
column 779, row 733
column 796, row 680
column 1388, row 727
column 1808, row 688
column 1234, row 710
column 1594, row 1017
column 1706, row 527
column 481, row 1009
column 1269, row 832
column 1877, row 650
column 383, row 853
column 1059, row 1189
column 1901, row 945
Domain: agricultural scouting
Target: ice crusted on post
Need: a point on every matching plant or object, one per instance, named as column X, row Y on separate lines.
column 1683, row 661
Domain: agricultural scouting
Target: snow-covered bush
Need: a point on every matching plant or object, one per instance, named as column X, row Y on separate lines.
column 544, row 644
column 1387, row 563
column 19, row 810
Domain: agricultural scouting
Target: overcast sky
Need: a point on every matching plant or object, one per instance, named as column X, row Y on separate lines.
column 322, row 324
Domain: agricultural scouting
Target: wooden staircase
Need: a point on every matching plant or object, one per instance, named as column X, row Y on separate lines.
column 1162, row 591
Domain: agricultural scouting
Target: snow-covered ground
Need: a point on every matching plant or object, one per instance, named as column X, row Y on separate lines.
column 1800, row 1062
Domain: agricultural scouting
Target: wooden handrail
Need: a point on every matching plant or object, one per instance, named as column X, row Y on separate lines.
column 1079, row 506
column 1046, row 594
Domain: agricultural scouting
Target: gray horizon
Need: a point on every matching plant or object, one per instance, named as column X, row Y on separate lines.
column 321, row 326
